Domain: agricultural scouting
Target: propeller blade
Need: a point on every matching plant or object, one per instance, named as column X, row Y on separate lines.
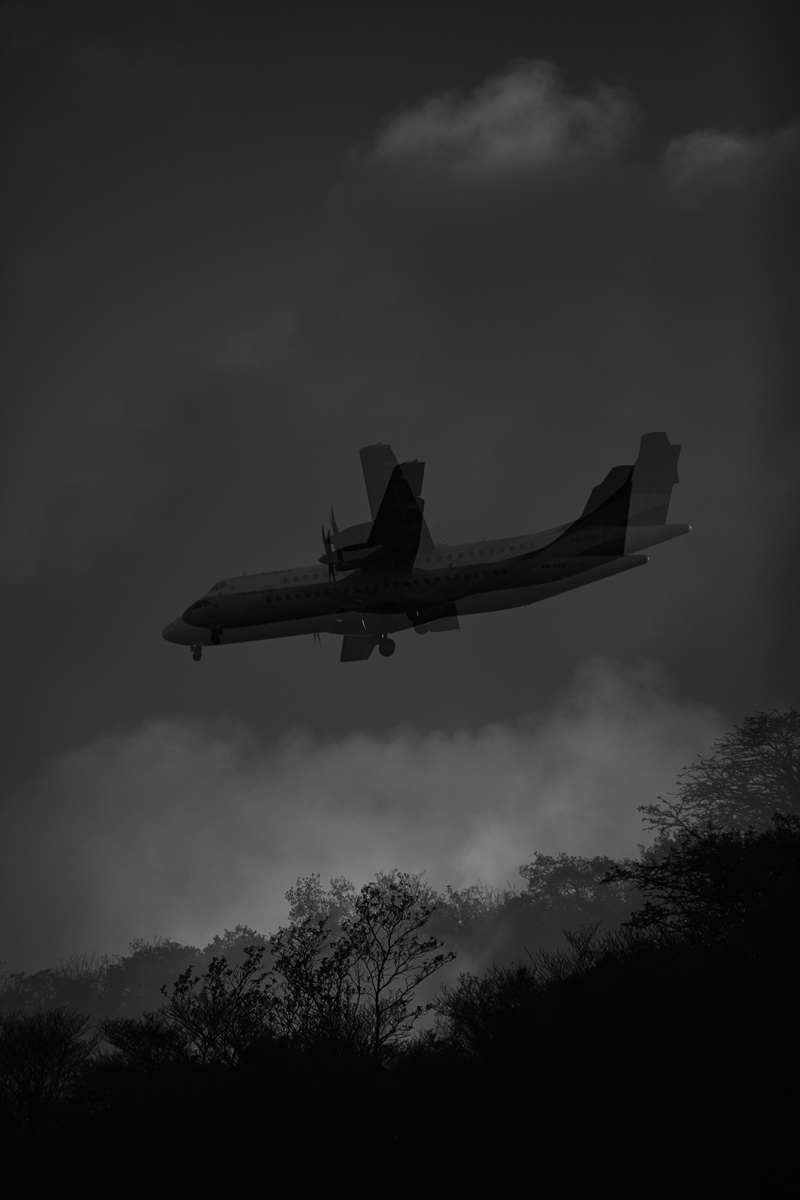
column 328, row 544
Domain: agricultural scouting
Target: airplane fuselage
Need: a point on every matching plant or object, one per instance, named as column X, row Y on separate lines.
column 452, row 581
column 387, row 575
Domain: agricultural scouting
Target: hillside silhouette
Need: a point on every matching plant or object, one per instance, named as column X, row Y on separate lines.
column 619, row 1009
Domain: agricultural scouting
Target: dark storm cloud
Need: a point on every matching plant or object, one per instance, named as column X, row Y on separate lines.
column 515, row 306
column 186, row 827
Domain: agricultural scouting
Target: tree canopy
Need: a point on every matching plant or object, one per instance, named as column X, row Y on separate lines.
column 752, row 773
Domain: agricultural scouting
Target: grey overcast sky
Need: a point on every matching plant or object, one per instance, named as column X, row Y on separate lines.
column 243, row 240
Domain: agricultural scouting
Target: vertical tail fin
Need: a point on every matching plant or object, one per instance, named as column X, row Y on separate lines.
column 654, row 475
column 628, row 496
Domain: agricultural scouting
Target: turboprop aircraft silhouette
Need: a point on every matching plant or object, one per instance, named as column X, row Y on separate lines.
column 387, row 575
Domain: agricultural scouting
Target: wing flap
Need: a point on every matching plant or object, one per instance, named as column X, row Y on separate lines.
column 356, row 649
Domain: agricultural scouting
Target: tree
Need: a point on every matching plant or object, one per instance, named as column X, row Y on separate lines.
column 717, row 885
column 152, row 1040
column 501, row 1011
column 354, row 988
column 753, row 772
column 574, row 889
column 42, row 1056
column 469, row 915
column 233, row 944
column 135, row 981
column 309, row 901
column 225, row 1010
column 78, row 983
column 481, row 1013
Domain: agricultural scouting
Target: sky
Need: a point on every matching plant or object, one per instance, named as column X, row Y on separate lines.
column 241, row 243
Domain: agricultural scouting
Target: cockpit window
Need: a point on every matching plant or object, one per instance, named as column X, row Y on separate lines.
column 218, row 586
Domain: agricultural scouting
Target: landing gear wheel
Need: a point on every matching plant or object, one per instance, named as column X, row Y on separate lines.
column 216, row 637
column 386, row 647
column 197, row 653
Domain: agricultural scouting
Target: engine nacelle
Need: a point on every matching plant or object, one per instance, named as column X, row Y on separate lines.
column 354, row 535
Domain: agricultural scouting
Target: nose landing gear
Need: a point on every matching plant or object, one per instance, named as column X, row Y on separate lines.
column 386, row 647
column 197, row 652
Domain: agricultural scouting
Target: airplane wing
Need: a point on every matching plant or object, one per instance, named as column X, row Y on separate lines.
column 398, row 523
column 377, row 464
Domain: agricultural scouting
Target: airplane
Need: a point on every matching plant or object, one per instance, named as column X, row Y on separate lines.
column 388, row 575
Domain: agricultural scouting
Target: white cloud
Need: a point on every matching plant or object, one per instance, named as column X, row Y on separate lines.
column 184, row 827
column 694, row 156
column 522, row 117
column 711, row 154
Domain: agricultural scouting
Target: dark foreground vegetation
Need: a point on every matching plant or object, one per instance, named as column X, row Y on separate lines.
column 659, row 1034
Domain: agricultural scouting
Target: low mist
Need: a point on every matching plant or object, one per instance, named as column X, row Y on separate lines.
column 183, row 827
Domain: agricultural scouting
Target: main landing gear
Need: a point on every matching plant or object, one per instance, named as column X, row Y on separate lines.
column 197, row 652
column 386, row 647
column 216, row 637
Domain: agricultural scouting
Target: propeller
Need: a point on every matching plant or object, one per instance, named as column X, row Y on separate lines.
column 317, row 640
column 327, row 541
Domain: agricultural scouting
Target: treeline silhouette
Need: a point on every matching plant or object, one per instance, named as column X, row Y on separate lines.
column 662, row 1024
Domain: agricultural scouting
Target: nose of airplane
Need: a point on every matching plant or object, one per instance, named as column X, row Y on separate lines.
column 172, row 632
